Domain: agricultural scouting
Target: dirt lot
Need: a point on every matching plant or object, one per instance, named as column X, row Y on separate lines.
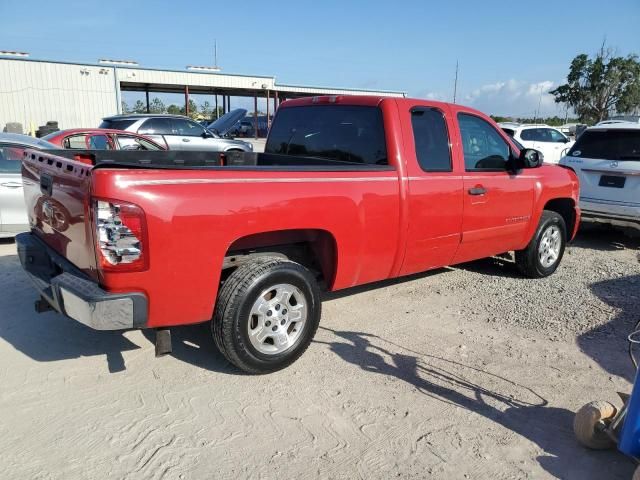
column 467, row 372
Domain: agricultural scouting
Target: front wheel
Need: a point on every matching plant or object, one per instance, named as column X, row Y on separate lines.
column 542, row 255
column 266, row 315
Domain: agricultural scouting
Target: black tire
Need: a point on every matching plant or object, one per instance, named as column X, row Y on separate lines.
column 230, row 323
column 528, row 260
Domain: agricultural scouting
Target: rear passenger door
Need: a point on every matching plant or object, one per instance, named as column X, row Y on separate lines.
column 435, row 190
column 498, row 203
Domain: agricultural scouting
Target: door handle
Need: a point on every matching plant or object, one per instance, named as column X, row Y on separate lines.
column 11, row 184
column 186, row 140
column 477, row 190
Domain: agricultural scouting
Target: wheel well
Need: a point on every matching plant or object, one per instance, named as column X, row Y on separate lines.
column 314, row 249
column 566, row 208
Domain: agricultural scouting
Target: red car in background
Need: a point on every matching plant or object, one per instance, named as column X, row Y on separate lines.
column 102, row 139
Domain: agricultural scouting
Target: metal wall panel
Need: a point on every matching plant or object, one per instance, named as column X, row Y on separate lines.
column 213, row 80
column 74, row 95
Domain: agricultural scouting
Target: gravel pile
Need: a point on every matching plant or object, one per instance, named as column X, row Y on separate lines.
column 596, row 289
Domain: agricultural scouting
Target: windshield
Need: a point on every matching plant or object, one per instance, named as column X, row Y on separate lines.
column 339, row 132
column 608, row 145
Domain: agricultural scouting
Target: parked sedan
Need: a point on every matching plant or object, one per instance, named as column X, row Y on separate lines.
column 179, row 132
column 13, row 212
column 102, row 139
column 606, row 159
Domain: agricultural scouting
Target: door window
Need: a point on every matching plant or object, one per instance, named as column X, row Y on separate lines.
column 99, row 142
column 484, row 148
column 556, row 136
column 431, row 139
column 156, row 126
column 531, row 135
column 128, row 142
column 76, row 142
column 186, row 128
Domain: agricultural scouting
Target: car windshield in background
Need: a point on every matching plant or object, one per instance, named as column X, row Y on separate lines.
column 608, row 145
column 117, row 124
column 344, row 133
column 10, row 159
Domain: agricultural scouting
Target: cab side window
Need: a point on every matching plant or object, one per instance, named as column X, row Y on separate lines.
column 431, row 139
column 484, row 148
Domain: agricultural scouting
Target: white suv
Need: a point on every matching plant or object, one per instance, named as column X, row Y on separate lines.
column 606, row 159
column 551, row 142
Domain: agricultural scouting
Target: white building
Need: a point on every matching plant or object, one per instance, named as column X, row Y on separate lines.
column 33, row 92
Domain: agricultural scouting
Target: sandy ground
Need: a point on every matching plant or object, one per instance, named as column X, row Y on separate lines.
column 411, row 379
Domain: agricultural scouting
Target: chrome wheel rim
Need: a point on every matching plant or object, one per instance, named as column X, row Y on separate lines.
column 277, row 319
column 549, row 248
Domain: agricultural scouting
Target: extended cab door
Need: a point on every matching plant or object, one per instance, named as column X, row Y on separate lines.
column 498, row 203
column 435, row 197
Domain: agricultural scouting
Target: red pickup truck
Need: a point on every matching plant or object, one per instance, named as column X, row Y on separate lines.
column 350, row 190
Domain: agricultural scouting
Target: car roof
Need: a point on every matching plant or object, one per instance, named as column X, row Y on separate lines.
column 27, row 140
column 144, row 115
column 72, row 131
column 80, row 131
column 616, row 126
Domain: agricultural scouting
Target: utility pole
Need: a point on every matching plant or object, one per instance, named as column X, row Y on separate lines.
column 539, row 102
column 455, row 84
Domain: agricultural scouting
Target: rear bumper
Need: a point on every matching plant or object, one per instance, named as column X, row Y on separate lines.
column 613, row 213
column 71, row 293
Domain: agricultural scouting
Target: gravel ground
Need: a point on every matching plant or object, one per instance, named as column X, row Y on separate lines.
column 466, row 372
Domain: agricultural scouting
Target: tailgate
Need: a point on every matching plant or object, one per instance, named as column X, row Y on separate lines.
column 617, row 182
column 57, row 193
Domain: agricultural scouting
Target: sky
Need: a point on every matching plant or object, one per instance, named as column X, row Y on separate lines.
column 510, row 54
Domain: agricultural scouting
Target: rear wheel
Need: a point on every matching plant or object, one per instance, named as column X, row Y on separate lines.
column 266, row 315
column 545, row 250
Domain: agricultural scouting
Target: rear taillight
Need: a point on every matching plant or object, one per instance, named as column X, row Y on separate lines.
column 121, row 236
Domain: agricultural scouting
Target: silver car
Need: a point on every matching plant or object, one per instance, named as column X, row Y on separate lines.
column 13, row 212
column 180, row 132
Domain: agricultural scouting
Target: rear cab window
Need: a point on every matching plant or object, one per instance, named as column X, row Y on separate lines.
column 612, row 144
column 345, row 133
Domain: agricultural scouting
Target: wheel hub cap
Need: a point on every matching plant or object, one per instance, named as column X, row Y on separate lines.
column 277, row 319
column 549, row 248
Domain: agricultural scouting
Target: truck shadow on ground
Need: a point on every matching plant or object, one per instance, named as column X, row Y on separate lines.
column 605, row 238
column 505, row 402
column 607, row 344
column 194, row 344
column 50, row 337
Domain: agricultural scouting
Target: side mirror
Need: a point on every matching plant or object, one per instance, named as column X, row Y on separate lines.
column 206, row 134
column 530, row 158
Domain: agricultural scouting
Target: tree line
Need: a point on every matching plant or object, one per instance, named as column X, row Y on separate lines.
column 203, row 111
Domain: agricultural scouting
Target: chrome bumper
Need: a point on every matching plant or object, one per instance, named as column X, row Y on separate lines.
column 67, row 290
